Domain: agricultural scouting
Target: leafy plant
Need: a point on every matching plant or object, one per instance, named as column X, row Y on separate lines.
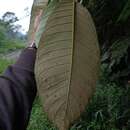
column 118, row 58
column 125, row 13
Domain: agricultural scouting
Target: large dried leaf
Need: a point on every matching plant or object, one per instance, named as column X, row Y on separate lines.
column 67, row 63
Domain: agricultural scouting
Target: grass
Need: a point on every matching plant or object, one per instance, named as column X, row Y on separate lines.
column 38, row 120
column 11, row 47
column 4, row 64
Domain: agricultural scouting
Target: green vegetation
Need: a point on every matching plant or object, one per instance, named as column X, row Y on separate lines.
column 11, row 47
column 4, row 64
column 10, row 37
column 38, row 120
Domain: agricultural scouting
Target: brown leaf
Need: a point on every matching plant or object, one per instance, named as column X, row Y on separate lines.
column 67, row 63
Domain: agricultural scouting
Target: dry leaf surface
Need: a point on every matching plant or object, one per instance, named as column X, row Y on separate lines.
column 67, row 63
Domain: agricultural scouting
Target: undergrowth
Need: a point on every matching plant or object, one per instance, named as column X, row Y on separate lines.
column 6, row 48
column 109, row 109
column 4, row 64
